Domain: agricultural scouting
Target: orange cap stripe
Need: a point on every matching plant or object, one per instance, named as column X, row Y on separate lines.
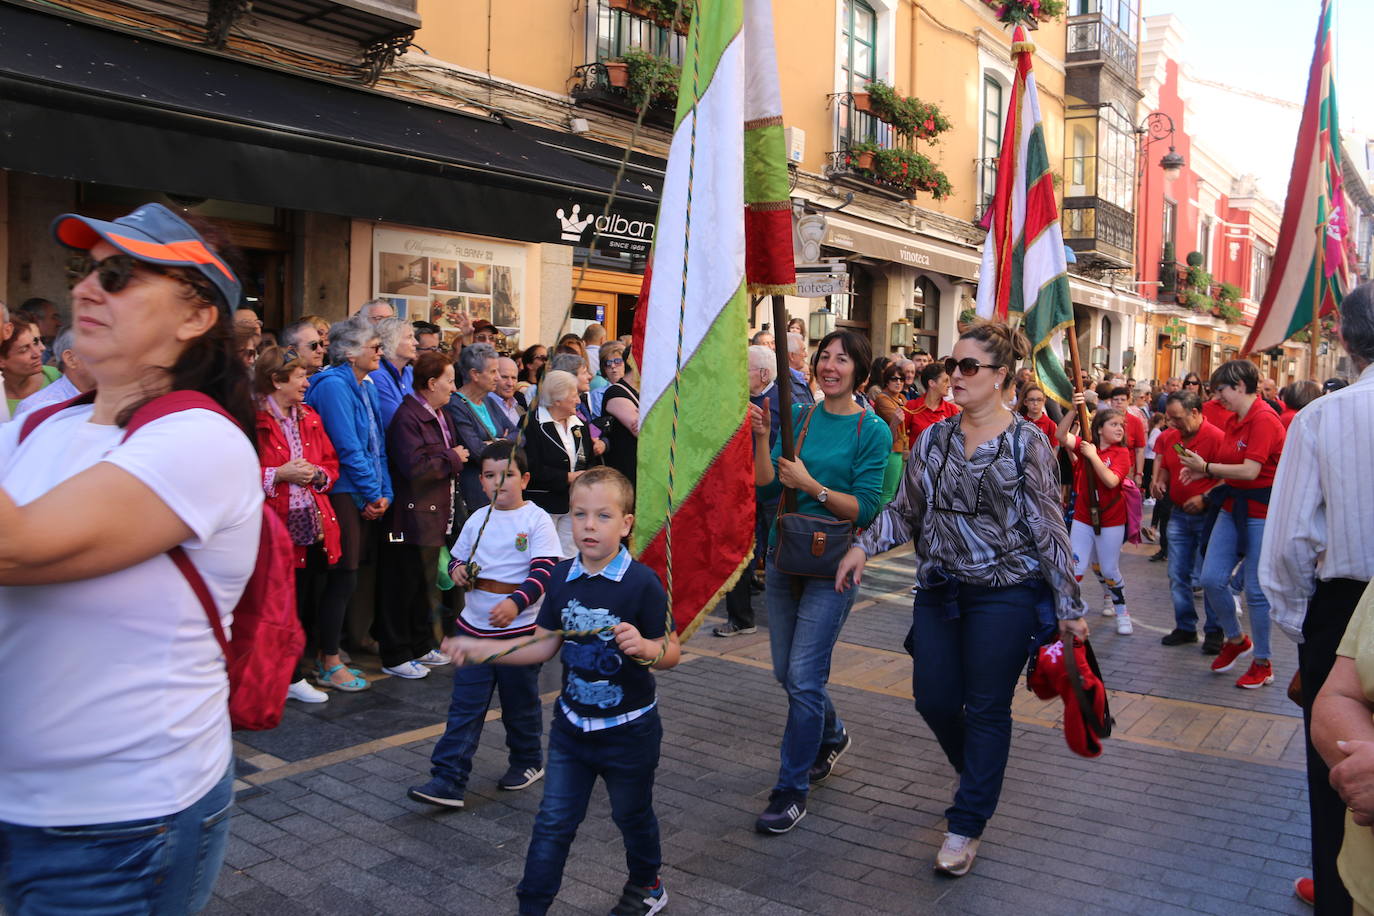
column 189, row 250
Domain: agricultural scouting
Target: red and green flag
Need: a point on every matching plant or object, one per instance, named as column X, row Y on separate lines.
column 1311, row 271
column 724, row 231
column 1024, row 269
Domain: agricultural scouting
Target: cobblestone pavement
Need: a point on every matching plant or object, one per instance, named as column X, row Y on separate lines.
column 1197, row 806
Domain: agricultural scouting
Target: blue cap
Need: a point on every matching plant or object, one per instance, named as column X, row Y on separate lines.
column 154, row 234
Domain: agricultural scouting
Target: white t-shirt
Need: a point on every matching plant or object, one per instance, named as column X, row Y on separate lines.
column 513, row 538
column 1150, row 443
column 115, row 697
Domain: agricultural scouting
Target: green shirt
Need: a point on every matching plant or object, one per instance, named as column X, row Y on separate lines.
column 50, row 375
column 844, row 453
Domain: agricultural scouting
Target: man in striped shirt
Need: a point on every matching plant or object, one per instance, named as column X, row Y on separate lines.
column 1318, row 557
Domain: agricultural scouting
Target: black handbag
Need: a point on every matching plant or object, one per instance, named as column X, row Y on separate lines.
column 812, row 545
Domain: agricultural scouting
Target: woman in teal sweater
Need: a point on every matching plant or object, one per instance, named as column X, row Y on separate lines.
column 839, row 472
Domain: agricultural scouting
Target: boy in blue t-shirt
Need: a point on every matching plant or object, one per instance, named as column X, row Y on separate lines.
column 605, row 721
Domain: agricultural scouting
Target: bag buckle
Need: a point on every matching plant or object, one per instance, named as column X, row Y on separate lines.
column 818, row 543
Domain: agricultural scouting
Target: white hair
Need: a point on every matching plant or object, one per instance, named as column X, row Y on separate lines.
column 347, row 339
column 760, row 357
column 556, row 386
column 365, row 310
column 391, row 331
column 795, row 342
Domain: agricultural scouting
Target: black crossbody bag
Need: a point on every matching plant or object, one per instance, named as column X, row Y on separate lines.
column 812, row 545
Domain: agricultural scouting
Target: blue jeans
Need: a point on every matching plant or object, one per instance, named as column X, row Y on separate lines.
column 473, row 686
column 1216, row 579
column 1185, row 539
column 625, row 758
column 964, row 672
column 802, row 635
column 159, row 865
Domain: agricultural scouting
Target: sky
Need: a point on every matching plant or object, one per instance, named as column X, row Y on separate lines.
column 1266, row 46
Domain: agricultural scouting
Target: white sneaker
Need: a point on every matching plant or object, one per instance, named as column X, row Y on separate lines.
column 1108, row 607
column 303, row 691
column 1123, row 623
column 957, row 854
column 433, row 659
column 411, row 670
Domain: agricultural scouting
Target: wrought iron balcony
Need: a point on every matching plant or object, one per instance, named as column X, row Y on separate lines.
column 383, row 29
column 594, row 87
column 1093, row 37
column 1100, row 233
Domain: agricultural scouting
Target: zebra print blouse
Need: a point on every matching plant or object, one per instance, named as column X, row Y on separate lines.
column 985, row 520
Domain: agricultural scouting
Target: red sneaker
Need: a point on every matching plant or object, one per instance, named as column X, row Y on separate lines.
column 1305, row 890
column 1230, row 653
column 1257, row 675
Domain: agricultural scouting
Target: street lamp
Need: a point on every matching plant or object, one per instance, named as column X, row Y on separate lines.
column 1159, row 126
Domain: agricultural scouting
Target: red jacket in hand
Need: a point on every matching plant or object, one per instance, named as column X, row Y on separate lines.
column 273, row 452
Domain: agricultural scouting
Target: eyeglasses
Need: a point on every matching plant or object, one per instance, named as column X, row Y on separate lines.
column 374, row 347
column 314, row 345
column 614, row 361
column 1193, row 382
column 966, row 366
column 426, row 349
column 113, row 273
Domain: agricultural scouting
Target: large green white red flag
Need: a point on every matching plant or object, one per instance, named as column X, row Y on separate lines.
column 1024, row 268
column 1311, row 271
column 724, row 231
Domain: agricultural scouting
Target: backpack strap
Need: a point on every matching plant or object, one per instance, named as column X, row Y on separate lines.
column 207, row 602
column 32, row 421
column 170, row 403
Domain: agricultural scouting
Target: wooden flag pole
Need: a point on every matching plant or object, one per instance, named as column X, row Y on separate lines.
column 784, row 383
column 1084, row 425
column 1315, row 334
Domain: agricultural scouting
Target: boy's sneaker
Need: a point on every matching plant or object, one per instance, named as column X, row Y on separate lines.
column 1258, row 674
column 411, row 670
column 728, row 629
column 1123, row 622
column 433, row 659
column 784, row 810
column 825, row 760
column 956, row 855
column 641, row 901
column 1231, row 652
column 439, row 792
column 518, row 777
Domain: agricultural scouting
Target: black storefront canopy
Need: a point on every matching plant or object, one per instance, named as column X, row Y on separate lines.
column 88, row 103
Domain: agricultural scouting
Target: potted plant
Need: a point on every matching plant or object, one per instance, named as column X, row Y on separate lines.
column 1228, row 312
column 651, row 76
column 617, row 73
column 618, row 4
column 1029, row 12
column 861, row 155
column 881, row 100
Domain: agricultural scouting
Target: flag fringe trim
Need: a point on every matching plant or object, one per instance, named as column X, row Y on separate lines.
column 710, row 605
column 766, row 206
column 1035, row 366
column 758, row 123
column 772, row 289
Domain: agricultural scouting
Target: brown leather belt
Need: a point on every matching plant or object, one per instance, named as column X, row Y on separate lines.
column 499, row 588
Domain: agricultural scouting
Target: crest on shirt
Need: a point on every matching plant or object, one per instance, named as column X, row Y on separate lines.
column 522, row 541
column 1240, row 445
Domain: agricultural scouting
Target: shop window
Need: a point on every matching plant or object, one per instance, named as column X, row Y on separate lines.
column 618, row 31
column 1261, row 261
column 859, row 39
column 854, row 309
column 924, row 314
column 1204, row 243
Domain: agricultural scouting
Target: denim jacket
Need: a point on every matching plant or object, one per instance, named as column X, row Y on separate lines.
column 352, row 418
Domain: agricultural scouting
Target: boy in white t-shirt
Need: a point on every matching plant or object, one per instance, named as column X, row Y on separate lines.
column 516, row 549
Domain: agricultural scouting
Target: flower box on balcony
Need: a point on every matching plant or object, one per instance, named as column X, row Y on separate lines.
column 861, row 101
column 617, row 73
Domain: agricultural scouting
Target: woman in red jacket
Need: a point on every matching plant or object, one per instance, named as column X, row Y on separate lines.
column 299, row 466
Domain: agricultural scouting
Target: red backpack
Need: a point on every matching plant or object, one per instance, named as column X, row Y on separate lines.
column 268, row 640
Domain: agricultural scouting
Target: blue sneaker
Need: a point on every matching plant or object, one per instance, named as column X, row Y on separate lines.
column 439, row 792
column 641, row 901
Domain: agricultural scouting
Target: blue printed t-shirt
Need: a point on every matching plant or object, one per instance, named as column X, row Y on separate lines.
column 846, row 453
column 600, row 681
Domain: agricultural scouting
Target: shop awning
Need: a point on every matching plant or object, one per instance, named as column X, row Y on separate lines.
column 88, row 103
column 1084, row 292
column 918, row 251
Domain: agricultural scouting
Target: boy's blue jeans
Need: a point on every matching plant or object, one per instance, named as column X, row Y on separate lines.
column 625, row 757
column 802, row 635
column 473, row 686
column 160, row 865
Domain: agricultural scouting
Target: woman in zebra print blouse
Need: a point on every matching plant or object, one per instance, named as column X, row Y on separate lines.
column 994, row 570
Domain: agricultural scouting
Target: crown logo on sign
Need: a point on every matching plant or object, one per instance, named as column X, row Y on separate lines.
column 572, row 226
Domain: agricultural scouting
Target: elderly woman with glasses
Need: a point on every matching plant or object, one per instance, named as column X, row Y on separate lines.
column 475, row 418
column 994, row 571
column 116, row 764
column 349, row 407
column 394, row 375
column 558, row 450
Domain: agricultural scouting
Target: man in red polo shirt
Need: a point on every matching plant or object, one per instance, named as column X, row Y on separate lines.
column 1135, row 432
column 1188, row 429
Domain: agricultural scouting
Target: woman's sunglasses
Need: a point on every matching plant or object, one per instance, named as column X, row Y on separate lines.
column 113, row 273
column 966, row 366
column 614, row 361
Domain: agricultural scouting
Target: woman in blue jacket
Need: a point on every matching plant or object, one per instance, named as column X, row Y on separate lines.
column 349, row 407
column 394, row 375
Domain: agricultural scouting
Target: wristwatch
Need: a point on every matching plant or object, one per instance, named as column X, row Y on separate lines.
column 822, row 496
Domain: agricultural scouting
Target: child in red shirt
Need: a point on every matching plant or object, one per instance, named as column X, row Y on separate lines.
column 1100, row 470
